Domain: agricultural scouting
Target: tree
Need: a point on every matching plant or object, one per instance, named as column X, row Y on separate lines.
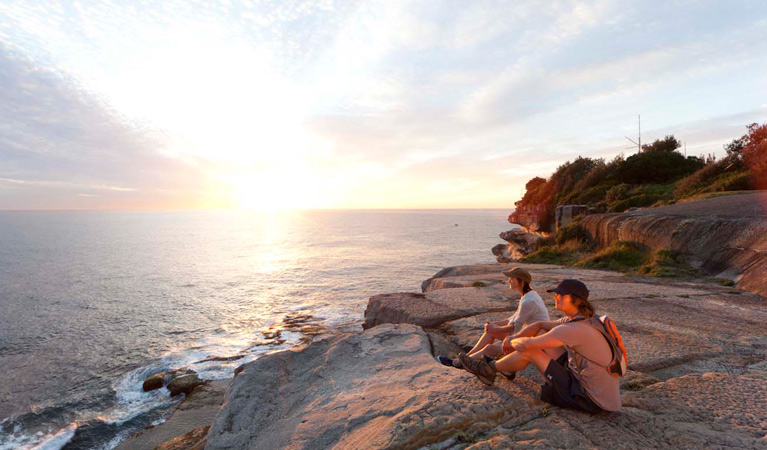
column 657, row 166
column 668, row 144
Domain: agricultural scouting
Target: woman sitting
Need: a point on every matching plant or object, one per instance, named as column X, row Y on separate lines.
column 531, row 309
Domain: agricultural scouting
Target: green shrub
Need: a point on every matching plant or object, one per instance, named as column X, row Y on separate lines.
column 620, row 256
column 618, row 193
column 573, row 232
column 478, row 284
column 636, row 201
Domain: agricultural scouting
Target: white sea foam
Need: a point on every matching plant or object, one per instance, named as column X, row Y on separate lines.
column 132, row 400
column 39, row 441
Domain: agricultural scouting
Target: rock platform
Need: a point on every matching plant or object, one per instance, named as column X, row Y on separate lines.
column 697, row 379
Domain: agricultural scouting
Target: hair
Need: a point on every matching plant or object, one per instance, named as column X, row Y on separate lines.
column 584, row 307
column 526, row 287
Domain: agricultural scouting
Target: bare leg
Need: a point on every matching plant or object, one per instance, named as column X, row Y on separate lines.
column 519, row 360
column 554, row 353
column 491, row 350
column 481, row 343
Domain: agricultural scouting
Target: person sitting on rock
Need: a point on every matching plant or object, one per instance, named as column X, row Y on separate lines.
column 571, row 355
column 531, row 309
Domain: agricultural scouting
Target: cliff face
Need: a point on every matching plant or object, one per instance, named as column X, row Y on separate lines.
column 725, row 236
column 537, row 220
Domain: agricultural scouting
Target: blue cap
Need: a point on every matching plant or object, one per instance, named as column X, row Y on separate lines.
column 575, row 288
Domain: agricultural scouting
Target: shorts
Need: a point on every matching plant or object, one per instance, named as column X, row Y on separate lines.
column 564, row 390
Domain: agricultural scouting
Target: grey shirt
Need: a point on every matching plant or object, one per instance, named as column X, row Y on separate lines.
column 531, row 309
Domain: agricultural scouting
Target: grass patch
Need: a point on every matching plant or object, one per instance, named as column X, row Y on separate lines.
column 552, row 255
column 621, row 256
column 634, row 385
column 478, row 284
column 545, row 411
column 706, row 195
column 463, row 437
column 726, row 282
column 668, row 264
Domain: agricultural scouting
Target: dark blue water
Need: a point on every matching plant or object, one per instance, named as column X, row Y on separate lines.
column 92, row 302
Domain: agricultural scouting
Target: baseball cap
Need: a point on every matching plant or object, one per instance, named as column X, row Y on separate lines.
column 573, row 287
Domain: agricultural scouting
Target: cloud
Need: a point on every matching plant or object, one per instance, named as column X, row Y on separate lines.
column 164, row 100
column 55, row 137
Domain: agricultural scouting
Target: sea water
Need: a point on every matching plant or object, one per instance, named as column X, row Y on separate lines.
column 93, row 302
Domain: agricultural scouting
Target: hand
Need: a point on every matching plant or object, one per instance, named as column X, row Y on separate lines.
column 506, row 345
column 489, row 328
column 520, row 344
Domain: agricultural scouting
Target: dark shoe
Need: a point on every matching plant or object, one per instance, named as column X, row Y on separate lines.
column 445, row 361
column 509, row 375
column 481, row 369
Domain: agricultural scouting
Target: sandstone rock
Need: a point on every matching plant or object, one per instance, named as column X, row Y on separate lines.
column 378, row 389
column 697, row 375
column 198, row 409
column 501, row 252
column 161, row 379
column 726, row 236
column 521, row 243
column 193, row 440
column 153, row 382
column 184, row 384
column 435, row 307
column 464, row 271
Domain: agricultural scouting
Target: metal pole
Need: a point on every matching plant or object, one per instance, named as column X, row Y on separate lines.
column 639, row 118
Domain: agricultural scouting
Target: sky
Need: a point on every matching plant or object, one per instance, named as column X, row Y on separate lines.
column 268, row 105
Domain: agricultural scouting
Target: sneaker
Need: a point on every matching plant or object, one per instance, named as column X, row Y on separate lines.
column 509, row 375
column 445, row 361
column 481, row 369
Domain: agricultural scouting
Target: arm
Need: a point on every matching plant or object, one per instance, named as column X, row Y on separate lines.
column 533, row 329
column 536, row 343
column 499, row 332
column 528, row 332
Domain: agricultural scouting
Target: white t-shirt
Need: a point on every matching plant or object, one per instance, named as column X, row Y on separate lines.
column 531, row 309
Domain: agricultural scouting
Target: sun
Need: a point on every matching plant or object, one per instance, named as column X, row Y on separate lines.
column 276, row 190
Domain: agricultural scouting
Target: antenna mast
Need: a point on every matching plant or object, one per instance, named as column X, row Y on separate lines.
column 638, row 144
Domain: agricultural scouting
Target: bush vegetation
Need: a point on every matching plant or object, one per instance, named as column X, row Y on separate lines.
column 657, row 175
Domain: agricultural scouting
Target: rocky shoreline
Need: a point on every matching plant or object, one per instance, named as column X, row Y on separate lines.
column 697, row 379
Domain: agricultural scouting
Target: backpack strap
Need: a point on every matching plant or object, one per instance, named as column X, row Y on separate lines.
column 602, row 331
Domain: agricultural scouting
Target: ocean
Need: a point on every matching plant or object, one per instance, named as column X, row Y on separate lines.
column 93, row 302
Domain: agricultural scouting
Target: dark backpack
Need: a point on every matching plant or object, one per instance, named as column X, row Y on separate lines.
column 606, row 326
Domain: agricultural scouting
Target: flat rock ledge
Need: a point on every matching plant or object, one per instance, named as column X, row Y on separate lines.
column 697, row 379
